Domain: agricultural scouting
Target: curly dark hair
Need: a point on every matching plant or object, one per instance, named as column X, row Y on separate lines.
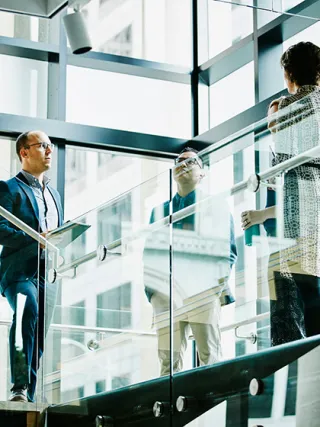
column 302, row 63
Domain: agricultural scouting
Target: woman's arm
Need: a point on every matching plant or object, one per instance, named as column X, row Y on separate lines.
column 273, row 108
column 250, row 218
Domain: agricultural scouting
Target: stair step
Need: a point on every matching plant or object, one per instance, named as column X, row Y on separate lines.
column 21, row 414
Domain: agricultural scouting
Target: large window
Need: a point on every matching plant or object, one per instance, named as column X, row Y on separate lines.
column 126, row 102
column 139, row 82
column 23, row 86
column 156, row 30
column 228, row 23
column 232, row 95
column 310, row 34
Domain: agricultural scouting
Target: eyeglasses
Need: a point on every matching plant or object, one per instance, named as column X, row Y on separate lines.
column 44, row 145
column 190, row 161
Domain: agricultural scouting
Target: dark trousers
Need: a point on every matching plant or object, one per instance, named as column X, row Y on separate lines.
column 37, row 313
column 295, row 313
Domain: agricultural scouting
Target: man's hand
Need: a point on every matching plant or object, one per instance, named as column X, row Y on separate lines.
column 250, row 218
column 45, row 236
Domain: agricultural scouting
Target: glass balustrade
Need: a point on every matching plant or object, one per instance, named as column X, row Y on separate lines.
column 101, row 335
column 213, row 287
column 162, row 289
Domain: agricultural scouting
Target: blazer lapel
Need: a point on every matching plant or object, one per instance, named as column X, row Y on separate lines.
column 28, row 191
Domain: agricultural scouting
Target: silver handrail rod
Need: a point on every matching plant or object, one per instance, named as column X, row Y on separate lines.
column 269, row 173
column 291, row 163
column 245, row 322
column 273, row 171
column 258, row 125
column 86, row 258
column 287, row 165
column 78, row 328
column 26, row 228
column 77, row 262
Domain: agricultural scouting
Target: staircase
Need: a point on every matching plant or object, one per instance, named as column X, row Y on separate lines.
column 247, row 388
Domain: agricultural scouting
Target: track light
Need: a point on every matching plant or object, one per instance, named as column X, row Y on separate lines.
column 77, row 32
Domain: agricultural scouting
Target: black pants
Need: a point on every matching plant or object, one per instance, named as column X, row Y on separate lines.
column 295, row 313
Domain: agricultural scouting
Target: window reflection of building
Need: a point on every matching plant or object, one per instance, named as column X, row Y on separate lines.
column 73, row 394
column 109, row 163
column 100, row 386
column 74, row 315
column 114, row 308
column 112, row 219
column 121, row 44
column 76, row 165
column 118, row 382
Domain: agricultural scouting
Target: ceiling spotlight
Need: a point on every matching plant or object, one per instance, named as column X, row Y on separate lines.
column 77, row 32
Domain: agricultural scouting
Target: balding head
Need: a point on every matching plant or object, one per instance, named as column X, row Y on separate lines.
column 27, row 138
column 34, row 150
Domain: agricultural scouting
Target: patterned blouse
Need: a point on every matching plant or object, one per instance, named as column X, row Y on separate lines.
column 298, row 130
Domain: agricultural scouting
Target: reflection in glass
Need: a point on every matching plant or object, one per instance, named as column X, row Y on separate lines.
column 156, row 30
column 102, row 330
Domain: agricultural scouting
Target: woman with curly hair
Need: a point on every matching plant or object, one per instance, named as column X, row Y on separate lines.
column 295, row 290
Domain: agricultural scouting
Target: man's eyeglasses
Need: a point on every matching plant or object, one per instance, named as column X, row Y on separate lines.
column 43, row 145
column 189, row 161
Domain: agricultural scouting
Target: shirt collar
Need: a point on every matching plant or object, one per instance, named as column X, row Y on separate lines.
column 33, row 181
column 308, row 88
column 190, row 196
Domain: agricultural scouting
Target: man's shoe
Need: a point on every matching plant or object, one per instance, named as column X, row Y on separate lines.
column 18, row 395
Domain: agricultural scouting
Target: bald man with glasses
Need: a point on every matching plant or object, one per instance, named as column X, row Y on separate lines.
column 30, row 198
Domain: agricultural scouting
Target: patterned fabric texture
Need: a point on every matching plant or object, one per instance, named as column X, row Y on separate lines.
column 298, row 130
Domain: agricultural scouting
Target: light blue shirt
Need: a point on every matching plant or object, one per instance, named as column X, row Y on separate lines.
column 48, row 213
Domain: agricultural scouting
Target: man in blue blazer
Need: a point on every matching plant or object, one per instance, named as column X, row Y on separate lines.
column 30, row 198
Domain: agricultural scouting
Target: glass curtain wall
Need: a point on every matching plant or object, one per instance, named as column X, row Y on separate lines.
column 137, row 82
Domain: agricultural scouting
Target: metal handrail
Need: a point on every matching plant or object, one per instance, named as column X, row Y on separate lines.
column 245, row 322
column 27, row 229
column 273, row 171
column 261, row 124
column 96, row 329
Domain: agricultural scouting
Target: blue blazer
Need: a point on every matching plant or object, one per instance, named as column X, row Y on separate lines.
column 20, row 253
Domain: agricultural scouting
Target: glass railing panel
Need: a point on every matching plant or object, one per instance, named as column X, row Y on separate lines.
column 218, row 256
column 221, row 274
column 103, row 331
